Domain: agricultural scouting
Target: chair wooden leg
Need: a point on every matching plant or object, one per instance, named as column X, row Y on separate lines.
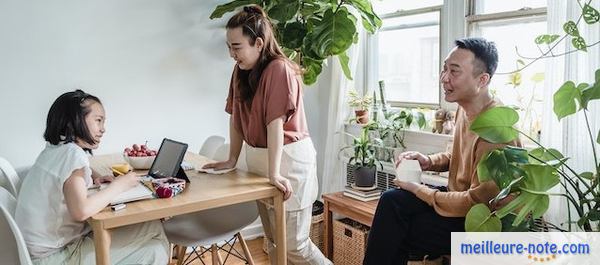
column 245, row 248
column 180, row 250
column 216, row 258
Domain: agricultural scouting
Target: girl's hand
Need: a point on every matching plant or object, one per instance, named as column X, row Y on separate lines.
column 127, row 181
column 103, row 179
column 424, row 160
column 283, row 185
column 221, row 165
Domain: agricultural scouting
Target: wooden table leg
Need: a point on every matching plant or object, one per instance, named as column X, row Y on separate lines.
column 102, row 239
column 280, row 240
column 328, row 231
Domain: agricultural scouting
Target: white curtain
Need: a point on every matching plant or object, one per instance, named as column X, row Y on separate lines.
column 333, row 172
column 571, row 137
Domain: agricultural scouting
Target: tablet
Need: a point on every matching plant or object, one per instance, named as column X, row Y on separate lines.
column 168, row 160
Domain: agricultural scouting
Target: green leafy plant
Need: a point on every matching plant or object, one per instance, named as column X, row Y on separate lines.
column 312, row 30
column 358, row 102
column 547, row 42
column 363, row 147
column 395, row 124
column 392, row 129
column 526, row 89
column 527, row 175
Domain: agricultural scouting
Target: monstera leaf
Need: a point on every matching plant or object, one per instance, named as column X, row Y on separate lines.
column 502, row 166
column 533, row 199
column 591, row 92
column 496, row 125
column 480, row 219
column 565, row 100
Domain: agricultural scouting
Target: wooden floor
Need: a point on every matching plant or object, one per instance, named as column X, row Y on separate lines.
column 255, row 246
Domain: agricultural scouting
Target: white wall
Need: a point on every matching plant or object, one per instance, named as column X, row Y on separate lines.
column 161, row 69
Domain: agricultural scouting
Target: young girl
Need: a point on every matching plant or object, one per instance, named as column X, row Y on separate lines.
column 267, row 112
column 53, row 203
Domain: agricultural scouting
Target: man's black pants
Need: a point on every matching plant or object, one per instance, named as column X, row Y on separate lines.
column 403, row 225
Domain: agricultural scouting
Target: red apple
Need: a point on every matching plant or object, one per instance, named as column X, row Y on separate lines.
column 164, row 192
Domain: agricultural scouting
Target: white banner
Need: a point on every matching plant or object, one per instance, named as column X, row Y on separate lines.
column 526, row 248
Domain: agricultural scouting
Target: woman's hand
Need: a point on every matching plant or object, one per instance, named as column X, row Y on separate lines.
column 408, row 186
column 103, row 179
column 424, row 160
column 283, row 185
column 221, row 165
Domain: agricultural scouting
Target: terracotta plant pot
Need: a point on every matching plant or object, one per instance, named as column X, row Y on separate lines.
column 362, row 116
column 364, row 177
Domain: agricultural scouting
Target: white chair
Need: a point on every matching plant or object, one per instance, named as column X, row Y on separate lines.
column 8, row 201
column 210, row 145
column 13, row 250
column 9, row 178
column 222, row 153
column 210, row 227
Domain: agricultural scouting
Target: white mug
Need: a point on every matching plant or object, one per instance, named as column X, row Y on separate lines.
column 409, row 171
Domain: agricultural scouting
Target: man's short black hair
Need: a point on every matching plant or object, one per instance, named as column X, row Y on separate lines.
column 66, row 118
column 486, row 54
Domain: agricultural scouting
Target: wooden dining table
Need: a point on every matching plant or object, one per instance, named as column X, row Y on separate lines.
column 203, row 192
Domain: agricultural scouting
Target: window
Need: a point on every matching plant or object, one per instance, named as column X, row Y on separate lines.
column 406, row 52
column 513, row 26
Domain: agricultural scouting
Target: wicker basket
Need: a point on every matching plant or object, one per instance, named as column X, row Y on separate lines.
column 349, row 242
column 316, row 231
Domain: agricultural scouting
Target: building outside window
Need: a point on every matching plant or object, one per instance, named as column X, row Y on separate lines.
column 406, row 52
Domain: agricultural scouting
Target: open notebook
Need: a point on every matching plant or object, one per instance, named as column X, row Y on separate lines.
column 139, row 192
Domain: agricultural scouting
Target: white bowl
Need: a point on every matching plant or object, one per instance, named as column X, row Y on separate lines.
column 139, row 162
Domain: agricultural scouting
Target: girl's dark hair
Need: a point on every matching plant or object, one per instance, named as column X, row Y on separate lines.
column 66, row 118
column 255, row 24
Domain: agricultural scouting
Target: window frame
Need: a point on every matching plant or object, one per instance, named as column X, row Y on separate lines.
column 372, row 65
column 522, row 15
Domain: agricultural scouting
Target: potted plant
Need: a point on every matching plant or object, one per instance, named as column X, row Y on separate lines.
column 310, row 31
column 363, row 157
column 360, row 105
column 527, row 175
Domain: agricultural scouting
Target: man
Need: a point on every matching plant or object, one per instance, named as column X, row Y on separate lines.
column 415, row 218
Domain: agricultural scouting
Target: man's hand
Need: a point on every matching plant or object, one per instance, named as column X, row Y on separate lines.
column 424, row 160
column 408, row 186
column 283, row 185
column 503, row 202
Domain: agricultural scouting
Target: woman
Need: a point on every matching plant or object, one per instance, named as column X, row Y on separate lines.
column 267, row 112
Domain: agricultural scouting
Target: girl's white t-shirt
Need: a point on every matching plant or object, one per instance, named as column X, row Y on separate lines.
column 41, row 211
